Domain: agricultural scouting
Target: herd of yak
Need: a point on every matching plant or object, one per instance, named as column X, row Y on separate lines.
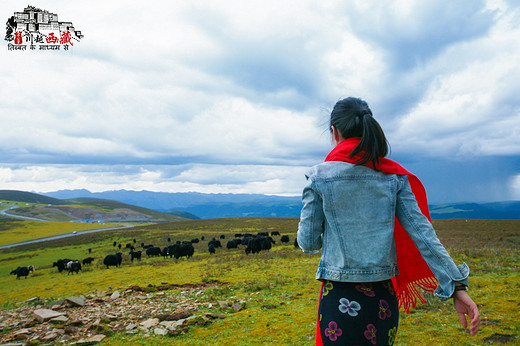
column 253, row 244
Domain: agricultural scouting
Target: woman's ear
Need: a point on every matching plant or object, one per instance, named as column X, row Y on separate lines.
column 336, row 136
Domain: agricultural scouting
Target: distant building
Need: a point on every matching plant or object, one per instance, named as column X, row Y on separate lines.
column 35, row 20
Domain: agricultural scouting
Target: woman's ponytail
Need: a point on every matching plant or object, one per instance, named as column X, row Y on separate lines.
column 353, row 118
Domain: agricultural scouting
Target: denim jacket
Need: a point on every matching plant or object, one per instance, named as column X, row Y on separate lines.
column 349, row 212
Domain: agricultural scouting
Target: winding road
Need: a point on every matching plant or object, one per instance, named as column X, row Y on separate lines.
column 4, row 212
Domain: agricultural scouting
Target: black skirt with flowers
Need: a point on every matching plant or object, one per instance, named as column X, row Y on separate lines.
column 358, row 313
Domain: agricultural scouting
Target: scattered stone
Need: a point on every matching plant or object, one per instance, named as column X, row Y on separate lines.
column 78, row 318
column 131, row 326
column 169, row 324
column 57, row 304
column 23, row 334
column 109, row 317
column 76, row 322
column 76, row 301
column 23, row 331
column 101, row 294
column 50, row 336
column 152, row 322
column 224, row 303
column 46, row 314
column 33, row 300
column 160, row 331
column 237, row 307
column 92, row 340
column 175, row 316
column 59, row 319
column 115, row 295
column 70, row 330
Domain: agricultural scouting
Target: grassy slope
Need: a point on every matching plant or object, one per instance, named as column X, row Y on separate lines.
column 15, row 231
column 282, row 278
column 28, row 203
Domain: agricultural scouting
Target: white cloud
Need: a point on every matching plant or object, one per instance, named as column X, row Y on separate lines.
column 515, row 187
column 469, row 109
column 278, row 180
column 244, row 84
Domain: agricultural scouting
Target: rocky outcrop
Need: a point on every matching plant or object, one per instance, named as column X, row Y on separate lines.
column 162, row 310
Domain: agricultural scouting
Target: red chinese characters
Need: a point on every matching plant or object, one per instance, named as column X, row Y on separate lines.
column 65, row 37
column 51, row 38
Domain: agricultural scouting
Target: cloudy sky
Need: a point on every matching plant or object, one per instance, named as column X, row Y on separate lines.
column 234, row 96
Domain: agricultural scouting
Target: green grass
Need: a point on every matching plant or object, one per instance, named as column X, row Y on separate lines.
column 15, row 231
column 278, row 286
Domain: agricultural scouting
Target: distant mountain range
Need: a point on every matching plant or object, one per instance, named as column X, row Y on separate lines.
column 208, row 206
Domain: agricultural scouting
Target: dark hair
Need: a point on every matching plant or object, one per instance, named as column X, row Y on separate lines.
column 353, row 118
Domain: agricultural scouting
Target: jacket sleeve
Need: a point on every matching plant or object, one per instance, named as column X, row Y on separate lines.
column 310, row 228
column 423, row 235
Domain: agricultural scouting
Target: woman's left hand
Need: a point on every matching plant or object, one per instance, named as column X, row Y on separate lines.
column 464, row 305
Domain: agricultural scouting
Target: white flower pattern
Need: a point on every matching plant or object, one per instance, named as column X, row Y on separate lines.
column 352, row 308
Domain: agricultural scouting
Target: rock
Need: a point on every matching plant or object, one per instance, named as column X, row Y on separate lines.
column 212, row 315
column 237, row 307
column 223, row 303
column 152, row 322
column 23, row 331
column 43, row 315
column 131, row 326
column 76, row 301
column 33, row 300
column 22, row 336
column 50, row 336
column 115, row 295
column 170, row 325
column 57, row 304
column 59, row 319
column 160, row 331
column 175, row 316
column 92, row 340
column 109, row 317
column 70, row 330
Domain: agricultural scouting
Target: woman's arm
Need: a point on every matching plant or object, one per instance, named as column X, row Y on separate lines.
column 441, row 264
column 312, row 219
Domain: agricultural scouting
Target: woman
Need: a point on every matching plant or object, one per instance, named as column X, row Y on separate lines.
column 369, row 216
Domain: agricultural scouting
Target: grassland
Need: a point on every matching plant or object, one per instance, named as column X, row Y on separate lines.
column 16, row 231
column 277, row 286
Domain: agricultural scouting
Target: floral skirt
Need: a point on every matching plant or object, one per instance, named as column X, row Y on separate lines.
column 351, row 313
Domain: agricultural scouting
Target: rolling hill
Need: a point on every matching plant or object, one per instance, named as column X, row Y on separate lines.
column 80, row 209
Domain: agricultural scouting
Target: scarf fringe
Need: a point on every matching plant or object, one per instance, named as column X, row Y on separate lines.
column 408, row 293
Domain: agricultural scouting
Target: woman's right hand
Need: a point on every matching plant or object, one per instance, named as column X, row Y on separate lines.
column 464, row 305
